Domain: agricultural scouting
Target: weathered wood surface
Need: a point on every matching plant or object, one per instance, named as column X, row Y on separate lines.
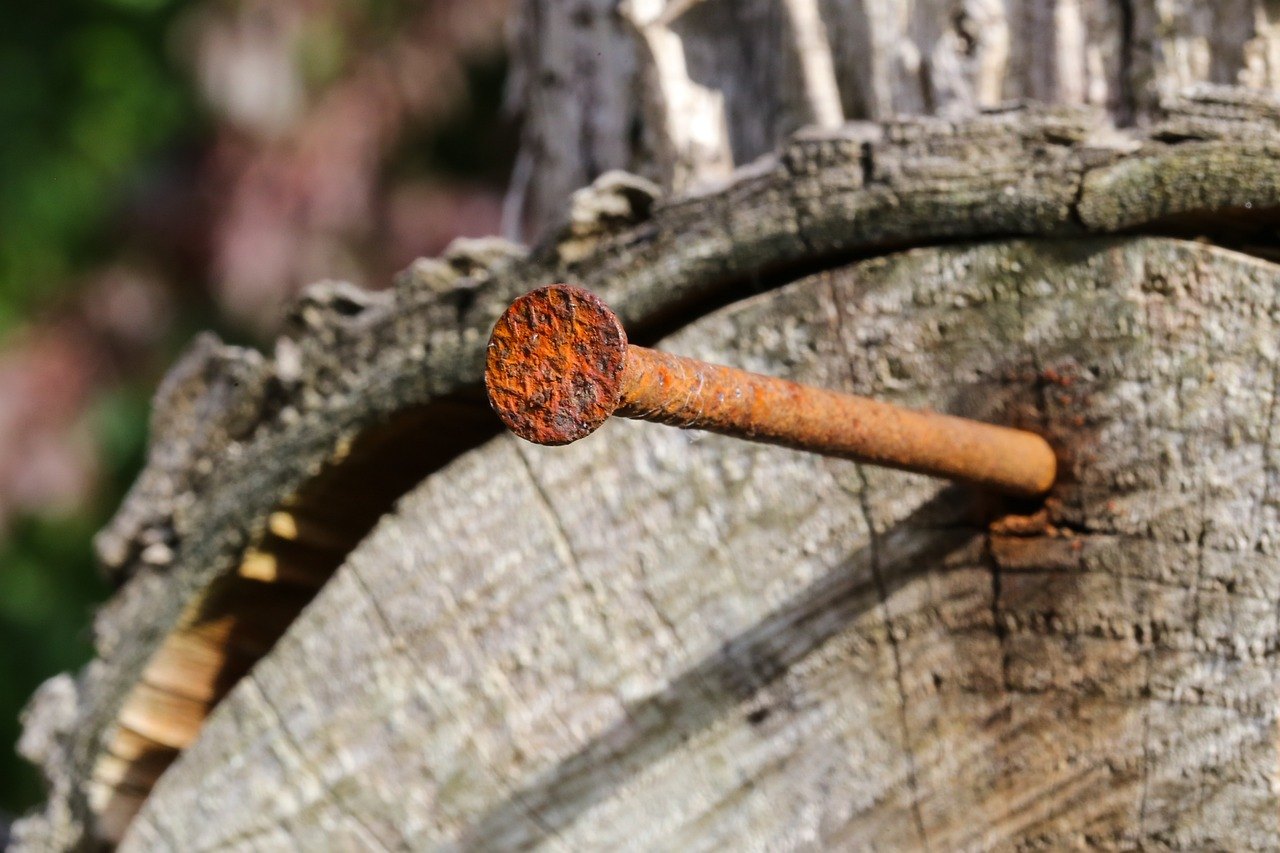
column 659, row 640
column 713, row 84
column 238, row 435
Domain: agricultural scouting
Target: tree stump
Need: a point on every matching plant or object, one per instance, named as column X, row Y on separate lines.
column 354, row 615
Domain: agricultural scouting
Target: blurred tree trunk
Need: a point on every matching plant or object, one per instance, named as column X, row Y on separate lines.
column 654, row 639
column 681, row 91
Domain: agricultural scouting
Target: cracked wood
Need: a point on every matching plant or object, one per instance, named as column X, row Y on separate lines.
column 647, row 640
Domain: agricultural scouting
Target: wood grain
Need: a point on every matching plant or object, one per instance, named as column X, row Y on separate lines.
column 660, row 640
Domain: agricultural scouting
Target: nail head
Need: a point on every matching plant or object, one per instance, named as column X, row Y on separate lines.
column 554, row 364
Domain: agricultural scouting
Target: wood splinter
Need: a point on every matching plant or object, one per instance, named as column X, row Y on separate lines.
column 559, row 365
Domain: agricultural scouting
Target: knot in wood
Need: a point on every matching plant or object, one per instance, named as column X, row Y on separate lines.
column 554, row 365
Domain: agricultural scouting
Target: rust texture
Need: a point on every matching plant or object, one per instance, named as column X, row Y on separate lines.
column 552, row 391
column 678, row 391
column 554, row 365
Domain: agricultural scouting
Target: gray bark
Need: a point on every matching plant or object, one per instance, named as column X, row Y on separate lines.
column 798, row 604
column 714, row 83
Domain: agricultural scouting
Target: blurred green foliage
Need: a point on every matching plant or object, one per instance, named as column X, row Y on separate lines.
column 88, row 96
column 45, row 599
column 93, row 106
column 49, row 585
column 88, row 92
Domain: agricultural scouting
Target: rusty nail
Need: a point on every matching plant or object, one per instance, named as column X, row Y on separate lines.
column 559, row 365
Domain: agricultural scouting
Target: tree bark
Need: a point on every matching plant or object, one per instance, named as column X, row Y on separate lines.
column 717, row 84
column 653, row 639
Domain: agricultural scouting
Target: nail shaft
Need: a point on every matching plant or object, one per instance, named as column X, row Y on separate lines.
column 559, row 365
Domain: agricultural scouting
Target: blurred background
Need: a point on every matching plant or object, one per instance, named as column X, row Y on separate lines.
column 168, row 166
